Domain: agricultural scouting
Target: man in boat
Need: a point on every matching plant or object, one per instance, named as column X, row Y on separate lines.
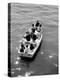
column 38, row 26
column 31, row 35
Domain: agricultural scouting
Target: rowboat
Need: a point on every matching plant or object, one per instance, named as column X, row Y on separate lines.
column 30, row 41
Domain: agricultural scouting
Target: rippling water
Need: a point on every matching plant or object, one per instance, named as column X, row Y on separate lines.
column 46, row 60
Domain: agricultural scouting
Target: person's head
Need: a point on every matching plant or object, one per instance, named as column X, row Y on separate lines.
column 40, row 25
column 37, row 23
column 32, row 25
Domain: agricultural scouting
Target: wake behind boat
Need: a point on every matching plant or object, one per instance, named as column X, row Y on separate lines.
column 30, row 41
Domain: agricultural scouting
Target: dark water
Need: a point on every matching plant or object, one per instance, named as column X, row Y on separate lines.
column 46, row 60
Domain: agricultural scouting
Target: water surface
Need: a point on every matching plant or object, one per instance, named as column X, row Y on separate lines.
column 46, row 60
